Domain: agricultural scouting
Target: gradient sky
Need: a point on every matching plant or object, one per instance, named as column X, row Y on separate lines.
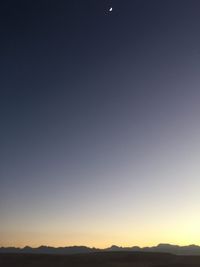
column 99, row 122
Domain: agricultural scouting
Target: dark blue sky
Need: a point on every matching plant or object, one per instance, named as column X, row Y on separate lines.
column 99, row 121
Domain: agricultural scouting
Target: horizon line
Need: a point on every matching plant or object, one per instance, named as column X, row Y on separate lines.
column 94, row 247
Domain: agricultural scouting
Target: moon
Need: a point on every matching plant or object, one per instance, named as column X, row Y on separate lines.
column 110, row 9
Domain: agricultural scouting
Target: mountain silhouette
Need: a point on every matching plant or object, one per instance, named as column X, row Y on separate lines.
column 165, row 248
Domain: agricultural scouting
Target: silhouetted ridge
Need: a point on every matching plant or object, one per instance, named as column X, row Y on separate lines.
column 165, row 248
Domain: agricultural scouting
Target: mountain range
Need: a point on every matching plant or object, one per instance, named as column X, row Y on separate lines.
column 166, row 248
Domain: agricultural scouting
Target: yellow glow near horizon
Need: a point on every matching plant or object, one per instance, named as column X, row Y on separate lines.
column 180, row 234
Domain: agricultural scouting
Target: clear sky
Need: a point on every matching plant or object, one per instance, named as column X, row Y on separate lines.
column 99, row 122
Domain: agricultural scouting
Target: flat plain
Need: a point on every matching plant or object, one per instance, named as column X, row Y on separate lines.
column 100, row 259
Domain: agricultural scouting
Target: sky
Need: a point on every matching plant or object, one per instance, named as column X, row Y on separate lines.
column 99, row 122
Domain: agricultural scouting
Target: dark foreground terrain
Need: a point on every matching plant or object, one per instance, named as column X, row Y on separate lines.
column 103, row 259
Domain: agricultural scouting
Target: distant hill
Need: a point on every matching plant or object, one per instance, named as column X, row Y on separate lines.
column 165, row 248
column 50, row 250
